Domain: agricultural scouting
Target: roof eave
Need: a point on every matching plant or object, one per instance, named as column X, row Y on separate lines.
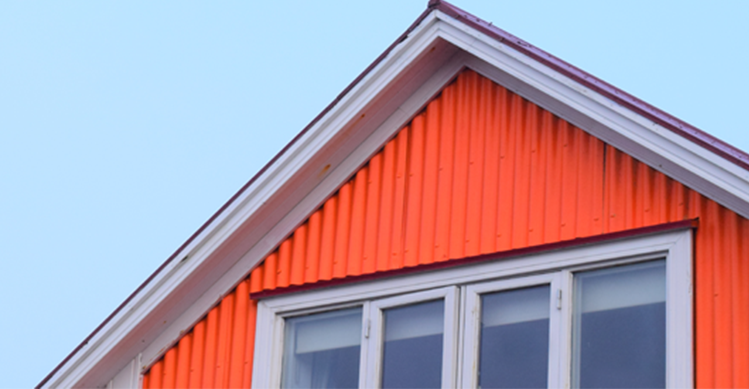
column 219, row 220
column 621, row 97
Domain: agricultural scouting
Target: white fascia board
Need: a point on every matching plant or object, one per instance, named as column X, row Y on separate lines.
column 85, row 368
column 685, row 161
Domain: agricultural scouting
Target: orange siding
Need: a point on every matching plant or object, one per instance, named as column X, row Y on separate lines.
column 217, row 353
column 482, row 170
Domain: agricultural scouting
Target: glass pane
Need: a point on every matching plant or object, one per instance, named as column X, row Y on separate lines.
column 412, row 353
column 620, row 327
column 322, row 350
column 514, row 348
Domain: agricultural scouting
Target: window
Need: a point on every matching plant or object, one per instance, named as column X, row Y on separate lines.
column 614, row 314
column 322, row 350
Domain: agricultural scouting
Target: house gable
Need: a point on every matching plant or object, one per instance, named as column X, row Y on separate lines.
column 351, row 195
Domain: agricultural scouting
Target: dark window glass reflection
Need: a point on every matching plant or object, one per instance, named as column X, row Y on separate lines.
column 412, row 351
column 514, row 348
column 620, row 327
column 322, row 350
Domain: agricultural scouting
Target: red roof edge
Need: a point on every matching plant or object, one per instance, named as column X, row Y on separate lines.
column 497, row 256
column 669, row 122
column 205, row 225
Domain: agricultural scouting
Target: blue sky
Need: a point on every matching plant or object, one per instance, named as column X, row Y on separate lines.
column 124, row 126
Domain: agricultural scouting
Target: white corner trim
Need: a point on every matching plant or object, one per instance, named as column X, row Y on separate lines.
column 680, row 317
column 128, row 377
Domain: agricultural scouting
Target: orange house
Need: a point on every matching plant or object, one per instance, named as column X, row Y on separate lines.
column 470, row 212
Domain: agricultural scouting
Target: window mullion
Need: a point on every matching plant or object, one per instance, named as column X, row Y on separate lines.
column 472, row 328
column 373, row 369
column 449, row 296
column 365, row 344
column 559, row 294
column 562, row 332
column 277, row 355
column 450, row 339
column 470, row 336
column 463, row 321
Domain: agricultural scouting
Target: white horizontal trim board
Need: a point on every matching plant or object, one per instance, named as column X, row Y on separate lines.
column 554, row 268
column 335, row 147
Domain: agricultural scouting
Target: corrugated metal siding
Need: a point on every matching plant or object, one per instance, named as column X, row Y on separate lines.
column 217, row 353
column 481, row 170
column 635, row 196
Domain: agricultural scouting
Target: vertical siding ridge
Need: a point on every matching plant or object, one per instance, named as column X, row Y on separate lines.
column 490, row 173
column 552, row 192
column 358, row 213
column 196, row 362
column 445, row 177
column 342, row 230
column 184, row 350
column 506, row 178
column 238, row 336
column 284, row 264
column 372, row 229
column 299, row 247
column 397, row 239
column 431, row 179
column 476, row 160
column 414, row 195
column 459, row 205
column 209, row 359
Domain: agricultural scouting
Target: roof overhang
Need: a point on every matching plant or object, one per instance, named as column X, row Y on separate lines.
column 441, row 43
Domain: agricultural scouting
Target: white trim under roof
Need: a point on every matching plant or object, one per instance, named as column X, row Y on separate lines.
column 336, row 146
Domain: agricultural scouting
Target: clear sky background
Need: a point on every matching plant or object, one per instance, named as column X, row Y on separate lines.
column 125, row 125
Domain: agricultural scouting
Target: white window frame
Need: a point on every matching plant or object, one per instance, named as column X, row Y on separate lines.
column 674, row 246
column 373, row 371
column 472, row 323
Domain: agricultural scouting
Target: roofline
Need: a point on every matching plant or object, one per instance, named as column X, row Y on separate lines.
column 675, row 125
column 252, row 180
column 678, row 126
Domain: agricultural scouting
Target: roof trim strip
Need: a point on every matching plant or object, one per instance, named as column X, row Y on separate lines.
column 625, row 99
